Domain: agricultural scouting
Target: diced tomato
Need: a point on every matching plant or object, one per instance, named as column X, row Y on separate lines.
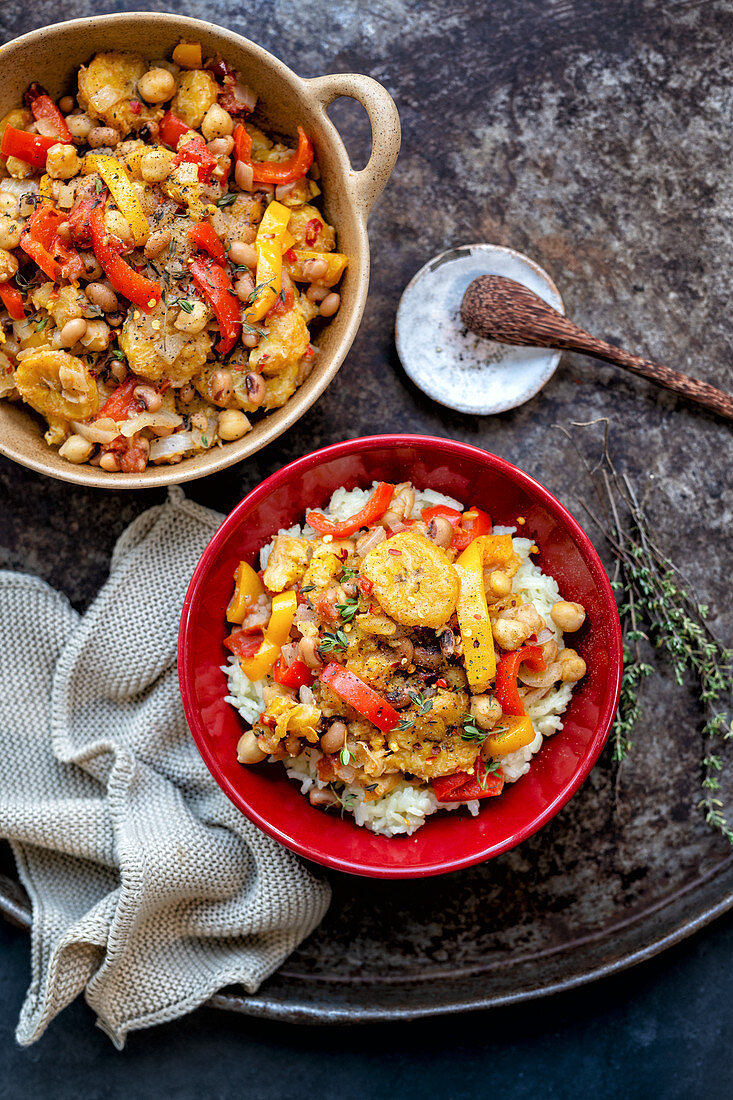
column 294, row 676
column 242, row 644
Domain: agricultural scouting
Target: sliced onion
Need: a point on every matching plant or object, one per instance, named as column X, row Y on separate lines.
column 306, row 696
column 544, row 636
column 244, row 95
column 97, row 432
column 160, row 419
column 369, row 541
column 306, row 614
column 244, row 175
column 67, row 193
column 103, row 99
column 284, row 189
column 19, row 187
column 171, row 445
column 171, row 346
column 208, row 434
column 288, row 652
column 46, row 127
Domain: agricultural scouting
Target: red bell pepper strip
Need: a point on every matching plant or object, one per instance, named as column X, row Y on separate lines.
column 473, row 524
column 365, row 585
column 294, row 676
column 216, row 286
column 32, row 148
column 171, row 129
column 197, row 152
column 360, row 696
column 507, row 694
column 122, row 403
column 44, row 109
column 78, row 220
column 40, row 240
column 466, row 527
column 12, row 299
column 375, row 507
column 267, row 171
column 242, row 644
column 141, row 291
column 462, row 787
column 203, row 236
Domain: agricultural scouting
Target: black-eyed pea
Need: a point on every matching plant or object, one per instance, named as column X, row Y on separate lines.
column 72, row 332
column 330, row 304
column 100, row 136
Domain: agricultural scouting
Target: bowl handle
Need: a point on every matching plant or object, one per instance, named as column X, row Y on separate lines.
column 367, row 185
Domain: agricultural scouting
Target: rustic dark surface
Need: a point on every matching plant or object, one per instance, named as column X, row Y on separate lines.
column 595, row 138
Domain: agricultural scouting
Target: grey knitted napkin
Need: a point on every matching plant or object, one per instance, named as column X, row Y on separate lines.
column 150, row 891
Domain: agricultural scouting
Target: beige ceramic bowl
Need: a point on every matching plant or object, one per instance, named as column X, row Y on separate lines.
column 52, row 55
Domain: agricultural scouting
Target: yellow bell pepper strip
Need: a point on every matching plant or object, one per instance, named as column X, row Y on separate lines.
column 284, row 606
column 269, row 261
column 473, row 618
column 247, row 588
column 123, row 192
column 512, row 734
column 143, row 292
column 297, row 258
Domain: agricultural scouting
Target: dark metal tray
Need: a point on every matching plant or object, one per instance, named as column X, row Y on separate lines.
column 568, row 141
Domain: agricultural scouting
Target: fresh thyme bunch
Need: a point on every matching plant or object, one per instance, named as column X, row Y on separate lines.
column 659, row 606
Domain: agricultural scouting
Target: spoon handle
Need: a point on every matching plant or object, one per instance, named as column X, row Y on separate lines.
column 691, row 388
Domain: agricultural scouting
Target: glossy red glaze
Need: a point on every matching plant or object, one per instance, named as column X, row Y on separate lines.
column 447, row 841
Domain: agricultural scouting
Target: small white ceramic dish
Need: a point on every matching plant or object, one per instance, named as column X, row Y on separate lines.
column 450, row 364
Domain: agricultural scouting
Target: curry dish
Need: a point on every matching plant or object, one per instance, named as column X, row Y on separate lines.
column 400, row 655
column 162, row 260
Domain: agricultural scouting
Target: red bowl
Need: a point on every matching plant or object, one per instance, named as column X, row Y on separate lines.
column 447, row 841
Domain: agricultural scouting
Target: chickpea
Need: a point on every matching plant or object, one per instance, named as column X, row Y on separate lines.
column 241, row 252
column 157, row 86
column 499, row 583
column 192, row 321
column 97, row 336
column 217, row 123
column 18, row 169
column 62, row 162
column 150, row 397
column 103, row 135
column 573, row 666
column 76, row 449
column 117, row 225
column 568, row 616
column 72, row 332
column 510, row 634
column 248, row 750
column 110, row 462
column 66, row 104
column 222, row 146
column 440, row 531
column 330, row 304
column 333, row 738
column 8, row 203
column 156, row 165
column 80, row 126
column 250, row 339
column 221, row 387
column 8, row 265
column 233, row 424
column 486, row 711
column 10, row 229
column 99, row 294
column 156, row 243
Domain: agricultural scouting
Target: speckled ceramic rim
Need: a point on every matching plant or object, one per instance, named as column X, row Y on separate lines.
column 423, row 383
column 293, row 472
column 51, row 53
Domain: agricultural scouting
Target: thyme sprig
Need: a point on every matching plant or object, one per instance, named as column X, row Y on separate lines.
column 659, row 606
column 331, row 641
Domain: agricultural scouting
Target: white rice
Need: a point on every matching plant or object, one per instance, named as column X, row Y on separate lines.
column 404, row 809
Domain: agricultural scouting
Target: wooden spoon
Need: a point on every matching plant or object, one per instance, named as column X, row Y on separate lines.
column 503, row 310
